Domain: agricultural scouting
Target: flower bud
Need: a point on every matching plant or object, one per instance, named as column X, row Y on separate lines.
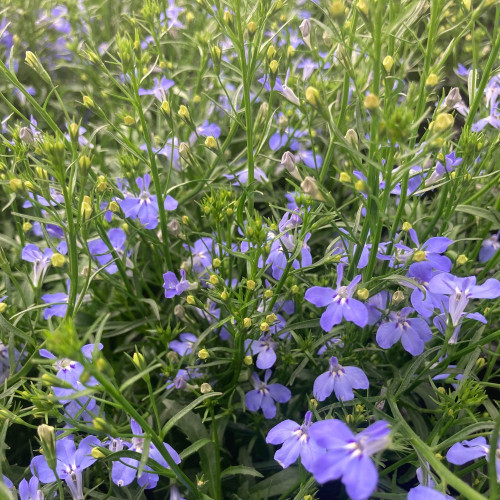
column 432, row 80
column 313, row 97
column 398, row 297
column 26, row 135
column 337, row 8
column 27, row 226
column 371, row 102
column 273, row 66
column 251, row 284
column 224, row 295
column 84, row 163
column 271, row 318
column 310, row 187
column 97, row 453
column 203, row 354
column 352, row 138
column 387, row 63
column 88, row 102
column 47, row 436
column 129, row 120
column 214, row 279
column 138, row 360
column 452, row 99
column 165, row 108
column 205, row 388
column 190, row 300
column 228, row 17
column 264, row 327
column 58, row 260
column 406, row 226
column 462, row 259
column 305, row 30
column 252, row 28
column 16, row 185
column 363, row 293
column 103, row 425
column 184, row 150
column 271, row 52
column 268, row 294
column 344, row 177
column 102, row 184
column 86, row 209
column 33, row 62
column 216, row 58
column 247, row 360
column 184, row 113
column 113, row 207
column 3, row 307
column 210, row 142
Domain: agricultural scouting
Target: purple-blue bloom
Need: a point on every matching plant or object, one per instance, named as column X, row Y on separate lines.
column 341, row 380
column 296, row 443
column 265, row 348
column 265, row 395
column 184, row 345
column 101, row 252
column 348, row 455
column 160, row 88
column 124, row 471
column 173, row 286
column 41, row 261
column 30, row 490
column 145, row 207
column 339, row 302
column 71, row 462
column 489, row 247
column 413, row 332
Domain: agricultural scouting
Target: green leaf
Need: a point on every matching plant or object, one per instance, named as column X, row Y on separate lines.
column 483, row 213
column 240, row 470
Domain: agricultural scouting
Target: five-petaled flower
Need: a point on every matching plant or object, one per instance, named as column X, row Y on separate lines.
column 265, row 395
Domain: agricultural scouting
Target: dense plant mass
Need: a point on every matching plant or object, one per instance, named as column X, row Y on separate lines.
column 249, row 249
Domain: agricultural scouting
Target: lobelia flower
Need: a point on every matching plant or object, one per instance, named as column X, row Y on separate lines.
column 101, row 252
column 426, row 493
column 489, row 247
column 8, row 482
column 413, row 332
column 29, row 490
column 296, row 443
column 160, row 88
column 375, row 306
column 41, row 261
column 341, row 380
column 348, row 455
column 185, row 345
column 172, row 13
column 60, row 301
column 339, row 302
column 181, row 379
column 461, row 290
column 242, row 176
column 425, row 301
column 451, row 161
column 170, row 151
column 124, row 471
column 466, row 451
column 201, row 254
column 173, row 286
column 265, row 395
column 70, row 371
column 492, row 92
column 145, row 207
column 265, row 348
column 430, row 251
column 71, row 462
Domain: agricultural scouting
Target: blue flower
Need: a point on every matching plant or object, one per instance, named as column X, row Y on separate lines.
column 413, row 332
column 41, row 261
column 71, row 462
column 265, row 395
column 341, row 380
column 145, row 207
column 339, row 302
column 125, row 469
column 160, row 88
column 101, row 252
column 185, row 345
column 30, row 490
column 348, row 455
column 173, row 286
column 265, row 347
column 489, row 247
column 296, row 443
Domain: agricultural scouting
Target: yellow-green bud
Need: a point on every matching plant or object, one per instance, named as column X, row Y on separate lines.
column 273, row 66
column 214, row 279
column 443, row 122
column 359, row 185
column 406, row 226
column 58, row 260
column 248, row 360
column 337, row 8
column 268, row 294
column 97, row 453
column 224, row 295
column 295, row 289
column 252, row 28
column 210, row 142
column 88, row 102
column 312, row 96
column 86, row 209
column 387, row 63
column 344, row 177
column 3, row 307
column 264, row 327
column 419, row 256
column 190, row 300
column 271, row 318
column 129, row 120
column 165, row 108
column 47, row 435
column 84, row 163
column 247, row 322
column 461, row 260
column 271, row 52
column 371, row 102
column 216, row 262
column 114, row 207
column 251, row 284
column 27, row 226
column 16, row 184
column 363, row 293
column 138, row 360
column 432, row 80
column 203, row 354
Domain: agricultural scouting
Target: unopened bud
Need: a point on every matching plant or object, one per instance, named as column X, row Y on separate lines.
column 184, row 113
column 387, row 63
column 165, row 108
column 184, row 150
column 271, row 51
column 248, row 360
column 251, row 284
column 138, row 360
column 16, row 185
column 190, row 300
column 337, row 8
column 88, row 102
column 47, row 436
column 352, row 138
column 419, row 256
column 398, row 297
column 102, row 184
column 344, row 177
column 26, row 135
column 310, row 187
column 363, row 293
column 305, row 30
column 27, row 226
column 268, row 294
column 86, row 209
column 129, row 120
column 461, row 260
column 224, row 295
column 113, row 206
column 214, row 279
column 313, row 97
column 371, row 102
column 74, row 131
column 3, row 307
column 203, row 354
column 84, row 163
column 210, row 142
column 228, row 17
column 406, row 226
column 205, row 388
column 252, row 28
column 58, row 260
column 247, row 322
column 432, row 80
column 97, row 453
column 273, row 66
column 271, row 318
column 264, row 327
